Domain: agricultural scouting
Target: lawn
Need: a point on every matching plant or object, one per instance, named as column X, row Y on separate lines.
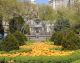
column 37, row 49
column 40, row 52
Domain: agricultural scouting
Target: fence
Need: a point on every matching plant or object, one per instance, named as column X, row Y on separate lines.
column 38, row 37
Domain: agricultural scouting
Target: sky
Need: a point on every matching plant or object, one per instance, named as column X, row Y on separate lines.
column 42, row 1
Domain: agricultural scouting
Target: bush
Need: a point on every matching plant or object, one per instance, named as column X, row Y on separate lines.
column 71, row 41
column 20, row 37
column 76, row 28
column 67, row 38
column 9, row 43
column 57, row 38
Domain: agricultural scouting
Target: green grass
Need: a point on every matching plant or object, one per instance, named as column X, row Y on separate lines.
column 56, row 48
column 74, row 58
column 30, row 42
column 20, row 50
column 49, row 42
column 25, row 50
column 2, row 52
column 77, row 61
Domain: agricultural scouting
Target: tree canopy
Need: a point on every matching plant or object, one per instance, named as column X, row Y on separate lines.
column 46, row 13
column 7, row 8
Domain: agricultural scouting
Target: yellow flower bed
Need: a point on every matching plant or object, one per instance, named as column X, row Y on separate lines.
column 39, row 49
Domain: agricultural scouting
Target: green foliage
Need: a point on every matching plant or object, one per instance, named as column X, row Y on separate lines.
column 21, row 38
column 9, row 43
column 67, row 38
column 76, row 28
column 46, row 13
column 9, row 9
column 16, row 24
column 57, row 38
column 27, row 29
column 19, row 20
column 72, row 13
column 70, row 40
column 76, row 12
column 61, row 24
column 77, row 61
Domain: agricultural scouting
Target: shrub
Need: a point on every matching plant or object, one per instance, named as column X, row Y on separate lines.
column 9, row 43
column 57, row 38
column 70, row 40
column 20, row 37
column 67, row 38
column 76, row 28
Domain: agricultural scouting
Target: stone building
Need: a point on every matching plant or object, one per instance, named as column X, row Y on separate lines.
column 56, row 4
column 32, row 1
column 39, row 27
